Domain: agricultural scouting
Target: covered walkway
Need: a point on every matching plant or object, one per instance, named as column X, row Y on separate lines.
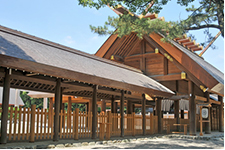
column 31, row 63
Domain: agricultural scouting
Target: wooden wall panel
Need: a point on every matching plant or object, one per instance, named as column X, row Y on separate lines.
column 198, row 91
column 154, row 65
column 137, row 50
column 182, row 86
column 135, row 64
column 169, row 84
column 149, row 48
column 172, row 68
column 113, row 48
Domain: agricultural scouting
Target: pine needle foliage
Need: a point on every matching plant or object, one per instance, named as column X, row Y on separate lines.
column 209, row 14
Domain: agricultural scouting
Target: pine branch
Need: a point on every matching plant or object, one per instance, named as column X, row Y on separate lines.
column 203, row 26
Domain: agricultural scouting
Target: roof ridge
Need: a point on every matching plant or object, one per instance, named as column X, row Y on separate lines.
column 64, row 48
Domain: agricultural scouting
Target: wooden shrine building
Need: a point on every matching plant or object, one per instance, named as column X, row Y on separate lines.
column 31, row 63
column 174, row 65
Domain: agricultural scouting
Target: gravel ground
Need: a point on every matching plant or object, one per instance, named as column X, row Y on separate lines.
column 157, row 143
column 215, row 140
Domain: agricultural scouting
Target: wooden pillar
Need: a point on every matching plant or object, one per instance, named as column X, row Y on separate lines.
column 129, row 107
column 159, row 114
column 208, row 124
column 50, row 119
column 103, row 105
column 90, row 106
column 58, row 96
column 176, row 112
column 182, row 114
column 122, row 113
column 133, row 107
column 69, row 110
column 221, row 127
column 144, row 114
column 5, row 105
column 192, row 109
column 61, row 109
column 94, row 111
column 113, row 105
column 69, row 107
column 211, row 110
column 116, row 107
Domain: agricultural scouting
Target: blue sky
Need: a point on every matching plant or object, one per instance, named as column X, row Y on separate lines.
column 67, row 23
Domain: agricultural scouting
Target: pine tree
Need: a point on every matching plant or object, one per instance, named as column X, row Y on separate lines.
column 210, row 14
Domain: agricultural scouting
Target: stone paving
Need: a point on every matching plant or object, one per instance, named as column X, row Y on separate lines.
column 63, row 144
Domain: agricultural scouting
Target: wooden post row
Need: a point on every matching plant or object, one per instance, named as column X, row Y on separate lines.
column 32, row 123
column 133, row 124
column 76, row 123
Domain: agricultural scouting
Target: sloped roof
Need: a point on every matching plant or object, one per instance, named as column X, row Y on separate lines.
column 32, row 49
column 201, row 69
column 207, row 74
column 214, row 72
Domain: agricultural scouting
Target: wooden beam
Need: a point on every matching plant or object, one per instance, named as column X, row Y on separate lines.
column 122, row 114
column 134, row 47
column 143, row 61
column 214, row 102
column 165, row 66
column 159, row 114
column 176, row 113
column 129, row 107
column 144, row 114
column 50, row 119
column 169, row 77
column 221, row 112
column 20, row 64
column 113, row 104
column 192, row 109
column 105, row 47
column 208, row 124
column 193, row 69
column 200, row 98
column 138, row 56
column 192, row 73
column 5, row 106
column 57, row 109
column 103, row 105
column 178, row 97
column 94, row 111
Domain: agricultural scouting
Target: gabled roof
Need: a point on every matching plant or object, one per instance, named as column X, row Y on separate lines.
column 195, row 66
column 207, row 74
column 22, row 51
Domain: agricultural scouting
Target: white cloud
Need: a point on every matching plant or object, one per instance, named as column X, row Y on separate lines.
column 94, row 38
column 69, row 40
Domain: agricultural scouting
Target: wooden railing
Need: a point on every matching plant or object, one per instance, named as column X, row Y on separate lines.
column 31, row 124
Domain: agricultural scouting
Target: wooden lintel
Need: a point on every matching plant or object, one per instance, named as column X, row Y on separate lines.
column 214, row 102
column 200, row 98
column 138, row 56
column 20, row 64
column 178, row 97
column 167, row 77
column 177, row 63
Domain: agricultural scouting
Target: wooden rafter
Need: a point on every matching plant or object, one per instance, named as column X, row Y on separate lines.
column 167, row 77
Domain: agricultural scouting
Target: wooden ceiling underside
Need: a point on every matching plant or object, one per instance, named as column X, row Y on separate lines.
column 34, row 82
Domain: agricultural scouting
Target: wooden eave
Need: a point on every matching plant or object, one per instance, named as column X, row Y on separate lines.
column 102, row 50
column 194, row 68
column 29, row 66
